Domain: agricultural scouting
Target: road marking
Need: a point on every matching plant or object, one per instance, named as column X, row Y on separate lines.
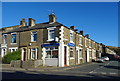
column 103, row 73
column 113, row 73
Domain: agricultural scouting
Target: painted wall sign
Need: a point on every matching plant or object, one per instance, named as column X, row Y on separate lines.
column 71, row 44
column 51, row 44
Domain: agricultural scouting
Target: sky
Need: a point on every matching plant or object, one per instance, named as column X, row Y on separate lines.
column 98, row 19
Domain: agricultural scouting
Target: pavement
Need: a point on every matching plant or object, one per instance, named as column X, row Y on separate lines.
column 44, row 68
column 93, row 70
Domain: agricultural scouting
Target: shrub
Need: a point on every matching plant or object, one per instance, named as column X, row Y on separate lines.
column 16, row 55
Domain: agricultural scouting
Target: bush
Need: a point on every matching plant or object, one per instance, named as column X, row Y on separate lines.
column 16, row 55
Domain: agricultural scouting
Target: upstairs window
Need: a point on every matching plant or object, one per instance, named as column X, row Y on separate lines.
column 71, row 36
column 33, row 36
column 80, row 41
column 13, row 38
column 5, row 39
column 51, row 34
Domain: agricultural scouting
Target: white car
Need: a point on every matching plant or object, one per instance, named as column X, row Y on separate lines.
column 100, row 59
column 106, row 58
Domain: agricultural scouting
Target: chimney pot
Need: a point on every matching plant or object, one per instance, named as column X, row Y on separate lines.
column 31, row 22
column 87, row 35
column 72, row 27
column 81, row 32
column 23, row 22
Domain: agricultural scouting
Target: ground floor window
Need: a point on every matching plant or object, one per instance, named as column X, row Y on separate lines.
column 80, row 53
column 34, row 53
column 71, row 52
column 52, row 52
column 13, row 49
column 4, row 52
column 90, row 52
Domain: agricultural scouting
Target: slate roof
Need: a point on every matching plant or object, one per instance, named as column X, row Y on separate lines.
column 37, row 26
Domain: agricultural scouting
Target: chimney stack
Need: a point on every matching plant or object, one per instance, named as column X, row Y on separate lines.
column 72, row 27
column 23, row 22
column 82, row 32
column 87, row 35
column 31, row 22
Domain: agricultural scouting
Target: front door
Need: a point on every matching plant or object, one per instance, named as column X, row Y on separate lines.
column 24, row 54
column 65, row 56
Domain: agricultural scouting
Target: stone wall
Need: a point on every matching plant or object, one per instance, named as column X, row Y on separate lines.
column 26, row 64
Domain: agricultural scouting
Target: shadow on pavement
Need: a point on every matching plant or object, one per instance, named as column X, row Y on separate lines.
column 23, row 75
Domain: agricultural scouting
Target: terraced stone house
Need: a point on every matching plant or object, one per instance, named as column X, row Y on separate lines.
column 52, row 42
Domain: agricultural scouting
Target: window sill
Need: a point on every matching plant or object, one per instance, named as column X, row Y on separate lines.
column 33, row 41
column 50, row 40
column 80, row 58
column 13, row 43
column 71, row 42
column 72, row 58
column 80, row 44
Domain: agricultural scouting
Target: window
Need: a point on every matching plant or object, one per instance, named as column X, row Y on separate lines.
column 52, row 52
column 85, row 42
column 80, row 53
column 4, row 52
column 13, row 38
column 71, row 52
column 89, row 43
column 33, row 53
column 80, row 41
column 71, row 36
column 5, row 39
column 51, row 34
column 34, row 37
column 13, row 49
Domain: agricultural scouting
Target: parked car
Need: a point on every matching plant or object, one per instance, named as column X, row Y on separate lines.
column 106, row 58
column 100, row 59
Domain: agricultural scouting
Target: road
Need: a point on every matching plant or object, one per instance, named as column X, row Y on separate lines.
column 109, row 70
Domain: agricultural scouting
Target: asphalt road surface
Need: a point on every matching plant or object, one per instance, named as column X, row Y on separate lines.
column 108, row 70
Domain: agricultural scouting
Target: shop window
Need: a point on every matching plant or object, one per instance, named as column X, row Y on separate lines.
column 52, row 52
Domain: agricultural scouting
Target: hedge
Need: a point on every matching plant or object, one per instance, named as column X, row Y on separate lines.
column 16, row 55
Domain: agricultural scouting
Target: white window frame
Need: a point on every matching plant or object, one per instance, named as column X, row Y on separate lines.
column 16, row 38
column 4, row 40
column 90, row 43
column 54, row 49
column 73, row 53
column 15, row 48
column 80, row 40
column 33, row 32
column 36, row 53
column 71, row 39
column 79, row 53
column 49, row 29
